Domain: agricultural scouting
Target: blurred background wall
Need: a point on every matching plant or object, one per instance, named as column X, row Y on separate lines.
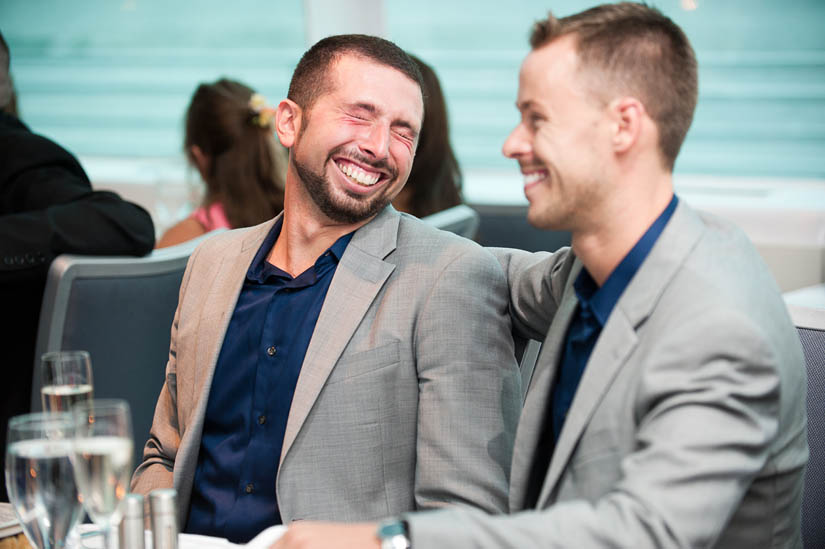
column 110, row 79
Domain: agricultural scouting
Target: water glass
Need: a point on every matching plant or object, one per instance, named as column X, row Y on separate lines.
column 39, row 477
column 102, row 459
column 67, row 379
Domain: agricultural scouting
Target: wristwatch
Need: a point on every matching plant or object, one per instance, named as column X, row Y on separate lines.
column 394, row 534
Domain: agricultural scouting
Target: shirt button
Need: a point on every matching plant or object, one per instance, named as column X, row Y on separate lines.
column 271, row 351
column 261, row 420
column 250, row 488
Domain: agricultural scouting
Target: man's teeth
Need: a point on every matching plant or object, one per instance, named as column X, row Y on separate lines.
column 534, row 176
column 358, row 175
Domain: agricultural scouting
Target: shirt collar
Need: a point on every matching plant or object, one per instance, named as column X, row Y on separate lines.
column 602, row 300
column 260, row 269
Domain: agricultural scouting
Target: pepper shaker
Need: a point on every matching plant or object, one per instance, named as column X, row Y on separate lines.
column 164, row 518
column 130, row 532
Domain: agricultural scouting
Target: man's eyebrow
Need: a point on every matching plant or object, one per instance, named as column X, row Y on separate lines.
column 405, row 124
column 372, row 109
column 369, row 107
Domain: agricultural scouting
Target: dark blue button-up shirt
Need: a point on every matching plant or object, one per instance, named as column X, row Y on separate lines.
column 595, row 306
column 233, row 494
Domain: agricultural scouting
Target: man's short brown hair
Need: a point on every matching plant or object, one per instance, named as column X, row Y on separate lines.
column 634, row 49
column 310, row 80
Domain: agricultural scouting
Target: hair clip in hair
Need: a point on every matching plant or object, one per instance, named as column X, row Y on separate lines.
column 264, row 114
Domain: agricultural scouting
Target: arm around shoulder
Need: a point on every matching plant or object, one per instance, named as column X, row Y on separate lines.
column 536, row 282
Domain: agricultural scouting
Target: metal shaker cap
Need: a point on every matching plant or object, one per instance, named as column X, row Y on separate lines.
column 162, row 501
column 132, row 506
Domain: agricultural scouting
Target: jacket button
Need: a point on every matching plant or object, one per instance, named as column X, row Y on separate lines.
column 250, row 488
column 271, row 351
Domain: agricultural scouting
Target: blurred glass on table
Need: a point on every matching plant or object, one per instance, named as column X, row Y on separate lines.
column 67, row 380
column 40, row 479
column 102, row 460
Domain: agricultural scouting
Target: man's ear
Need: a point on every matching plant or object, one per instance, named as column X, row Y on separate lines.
column 287, row 122
column 627, row 114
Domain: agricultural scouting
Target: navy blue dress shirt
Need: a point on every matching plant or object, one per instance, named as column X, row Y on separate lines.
column 233, row 494
column 594, row 308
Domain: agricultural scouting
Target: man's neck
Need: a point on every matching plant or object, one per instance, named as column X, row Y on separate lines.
column 619, row 225
column 305, row 235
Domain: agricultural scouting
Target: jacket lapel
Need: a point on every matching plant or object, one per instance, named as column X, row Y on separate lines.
column 538, row 394
column 219, row 296
column 614, row 345
column 359, row 277
column 217, row 310
column 619, row 338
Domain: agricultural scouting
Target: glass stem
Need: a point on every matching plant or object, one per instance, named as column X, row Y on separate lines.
column 109, row 537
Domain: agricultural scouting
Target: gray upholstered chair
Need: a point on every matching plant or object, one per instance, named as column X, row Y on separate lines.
column 810, row 323
column 120, row 309
column 461, row 220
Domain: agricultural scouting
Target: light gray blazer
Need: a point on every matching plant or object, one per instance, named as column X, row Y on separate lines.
column 409, row 394
column 688, row 426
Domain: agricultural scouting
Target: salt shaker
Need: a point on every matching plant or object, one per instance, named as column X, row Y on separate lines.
column 130, row 532
column 164, row 518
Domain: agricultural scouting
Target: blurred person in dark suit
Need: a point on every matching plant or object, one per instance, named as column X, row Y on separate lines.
column 435, row 180
column 47, row 207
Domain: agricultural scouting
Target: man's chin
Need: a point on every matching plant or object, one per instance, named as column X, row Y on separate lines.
column 356, row 211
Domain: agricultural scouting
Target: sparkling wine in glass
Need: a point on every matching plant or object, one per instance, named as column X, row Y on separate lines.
column 39, row 477
column 102, row 459
column 67, row 380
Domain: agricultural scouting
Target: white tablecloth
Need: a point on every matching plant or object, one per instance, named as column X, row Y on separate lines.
column 89, row 539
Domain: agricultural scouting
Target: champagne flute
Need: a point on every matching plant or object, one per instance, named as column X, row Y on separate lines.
column 67, row 379
column 102, row 459
column 39, row 477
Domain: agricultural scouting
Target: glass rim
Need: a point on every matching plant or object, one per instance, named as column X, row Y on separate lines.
column 40, row 419
column 53, row 355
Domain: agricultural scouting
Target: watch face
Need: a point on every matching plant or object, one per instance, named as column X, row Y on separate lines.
column 393, row 535
column 390, row 529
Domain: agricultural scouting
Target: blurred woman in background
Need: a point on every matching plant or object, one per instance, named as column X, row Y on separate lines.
column 229, row 139
column 435, row 180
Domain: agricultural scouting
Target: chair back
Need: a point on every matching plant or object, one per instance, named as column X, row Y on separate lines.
column 810, row 323
column 461, row 220
column 120, row 310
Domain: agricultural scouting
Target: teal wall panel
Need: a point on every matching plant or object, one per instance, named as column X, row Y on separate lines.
column 114, row 77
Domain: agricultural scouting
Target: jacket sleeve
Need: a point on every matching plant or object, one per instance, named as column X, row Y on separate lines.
column 160, row 451
column 48, row 207
column 536, row 284
column 469, row 387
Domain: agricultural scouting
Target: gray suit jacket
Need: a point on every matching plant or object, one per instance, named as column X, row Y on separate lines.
column 688, row 426
column 409, row 393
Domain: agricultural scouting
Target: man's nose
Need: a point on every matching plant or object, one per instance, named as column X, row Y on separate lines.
column 517, row 143
column 376, row 141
